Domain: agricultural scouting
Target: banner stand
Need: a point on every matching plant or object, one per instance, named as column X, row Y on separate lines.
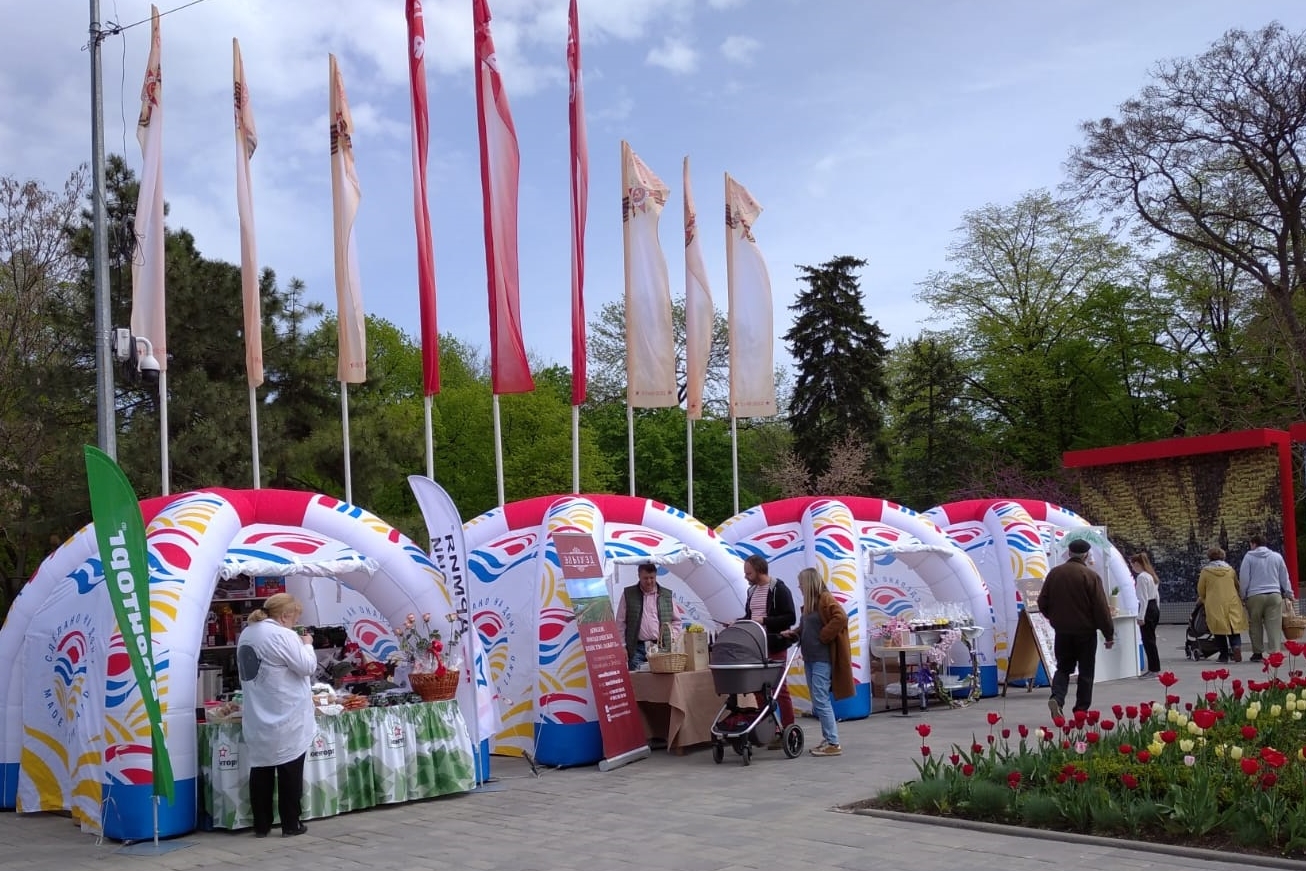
column 625, row 758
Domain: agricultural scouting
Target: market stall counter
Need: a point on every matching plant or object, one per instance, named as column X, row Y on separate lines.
column 678, row 708
column 358, row 759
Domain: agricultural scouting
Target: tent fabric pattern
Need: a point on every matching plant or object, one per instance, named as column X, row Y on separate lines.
column 523, row 616
column 90, row 753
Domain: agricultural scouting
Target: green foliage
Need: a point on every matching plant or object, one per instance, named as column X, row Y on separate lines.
column 990, row 800
column 839, row 353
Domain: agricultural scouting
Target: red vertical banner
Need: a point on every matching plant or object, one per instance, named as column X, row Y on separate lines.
column 421, row 127
column 580, row 175
column 605, row 657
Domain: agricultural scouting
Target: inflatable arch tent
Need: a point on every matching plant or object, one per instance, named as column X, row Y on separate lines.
column 880, row 559
column 73, row 733
column 524, row 617
column 1009, row 541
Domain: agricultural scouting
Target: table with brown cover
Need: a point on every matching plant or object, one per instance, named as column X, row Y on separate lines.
column 678, row 708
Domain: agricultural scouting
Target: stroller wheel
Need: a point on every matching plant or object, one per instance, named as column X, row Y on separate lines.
column 792, row 740
column 748, row 755
column 718, row 752
column 741, row 744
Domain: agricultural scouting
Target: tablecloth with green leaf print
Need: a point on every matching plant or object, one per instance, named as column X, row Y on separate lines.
column 357, row 760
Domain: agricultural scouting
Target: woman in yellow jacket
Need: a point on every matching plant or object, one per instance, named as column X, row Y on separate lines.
column 827, row 658
column 1217, row 591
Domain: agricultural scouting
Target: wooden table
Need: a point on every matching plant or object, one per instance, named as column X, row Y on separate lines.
column 919, row 650
column 677, row 708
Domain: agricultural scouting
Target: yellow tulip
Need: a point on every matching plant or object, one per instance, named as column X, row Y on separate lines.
column 1156, row 747
column 1296, row 715
column 1252, row 713
column 1276, row 710
column 1219, row 750
column 1186, row 745
column 1194, row 729
column 1235, row 753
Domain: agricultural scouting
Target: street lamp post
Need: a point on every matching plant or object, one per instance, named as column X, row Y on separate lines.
column 105, row 423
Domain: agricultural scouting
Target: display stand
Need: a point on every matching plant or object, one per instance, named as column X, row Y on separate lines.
column 1032, row 647
column 919, row 650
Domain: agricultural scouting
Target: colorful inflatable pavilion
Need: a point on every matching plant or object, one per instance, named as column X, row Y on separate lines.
column 880, row 559
column 1009, row 541
column 73, row 733
column 524, row 617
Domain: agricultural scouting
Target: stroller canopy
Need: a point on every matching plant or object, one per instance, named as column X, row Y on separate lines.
column 740, row 643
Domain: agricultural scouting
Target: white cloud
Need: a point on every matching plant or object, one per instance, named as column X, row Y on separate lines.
column 740, row 49
column 675, row 55
column 724, row 4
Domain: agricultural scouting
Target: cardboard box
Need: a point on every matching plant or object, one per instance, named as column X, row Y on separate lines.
column 695, row 646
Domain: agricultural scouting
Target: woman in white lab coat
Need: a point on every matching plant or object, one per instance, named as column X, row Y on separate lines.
column 276, row 667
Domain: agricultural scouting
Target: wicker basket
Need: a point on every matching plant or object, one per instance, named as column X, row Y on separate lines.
column 435, row 688
column 667, row 663
column 1293, row 626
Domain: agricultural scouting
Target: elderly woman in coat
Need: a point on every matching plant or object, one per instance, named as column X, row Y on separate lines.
column 1217, row 591
column 827, row 658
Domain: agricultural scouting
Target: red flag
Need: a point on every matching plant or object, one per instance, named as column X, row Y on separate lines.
column 580, row 181
column 421, row 213
column 500, row 168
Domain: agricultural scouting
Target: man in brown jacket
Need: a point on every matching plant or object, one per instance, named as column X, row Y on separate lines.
column 1073, row 601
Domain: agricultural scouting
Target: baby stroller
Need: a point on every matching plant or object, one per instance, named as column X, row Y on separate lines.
column 1199, row 643
column 740, row 667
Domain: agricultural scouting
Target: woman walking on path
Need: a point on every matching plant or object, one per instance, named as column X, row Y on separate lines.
column 827, row 659
column 1217, row 591
column 1149, row 611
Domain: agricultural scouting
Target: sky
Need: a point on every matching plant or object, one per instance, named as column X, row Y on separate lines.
column 863, row 127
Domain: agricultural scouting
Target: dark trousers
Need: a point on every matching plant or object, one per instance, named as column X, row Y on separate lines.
column 1151, row 617
column 287, row 781
column 1075, row 650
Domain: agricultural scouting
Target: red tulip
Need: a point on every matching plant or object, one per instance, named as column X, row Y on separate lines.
column 1118, row 711
column 1208, row 675
column 1081, row 776
column 1059, row 720
column 1222, row 673
column 1172, row 700
column 1204, row 718
column 923, row 730
column 991, row 738
column 1144, row 757
column 1273, row 758
column 1249, row 766
column 1131, row 712
column 1081, row 717
column 1107, row 725
column 994, row 717
column 1168, row 679
column 1145, row 711
column 1268, row 780
column 1249, row 733
column 1023, row 730
column 967, row 770
column 1274, row 660
column 955, row 759
column 1169, row 736
column 925, row 751
column 1238, row 689
column 1294, row 648
column 1212, row 698
column 977, row 748
column 1062, row 777
column 1092, row 737
column 1093, row 716
column 1126, row 749
column 1129, row 781
column 1006, row 733
column 1013, row 779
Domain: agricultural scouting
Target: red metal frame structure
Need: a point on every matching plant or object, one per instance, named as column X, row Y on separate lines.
column 1210, row 444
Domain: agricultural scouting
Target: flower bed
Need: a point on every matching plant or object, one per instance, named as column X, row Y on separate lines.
column 1225, row 767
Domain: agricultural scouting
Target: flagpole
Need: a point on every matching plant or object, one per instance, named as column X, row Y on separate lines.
column 163, row 431
column 498, row 452
column 344, row 422
column 253, row 436
column 734, row 466
column 430, row 439
column 689, row 460
column 630, row 443
column 106, row 425
column 575, row 449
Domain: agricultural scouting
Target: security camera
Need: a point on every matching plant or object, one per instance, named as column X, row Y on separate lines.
column 146, row 363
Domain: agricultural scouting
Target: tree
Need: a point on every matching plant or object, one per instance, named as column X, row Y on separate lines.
column 840, row 391
column 1027, row 285
column 1210, row 154
column 47, row 399
column 932, row 426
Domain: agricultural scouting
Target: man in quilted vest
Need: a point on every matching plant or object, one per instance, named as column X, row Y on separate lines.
column 645, row 614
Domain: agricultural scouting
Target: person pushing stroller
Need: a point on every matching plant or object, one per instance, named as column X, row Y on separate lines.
column 771, row 604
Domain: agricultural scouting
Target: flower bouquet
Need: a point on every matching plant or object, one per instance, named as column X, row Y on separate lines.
column 432, row 675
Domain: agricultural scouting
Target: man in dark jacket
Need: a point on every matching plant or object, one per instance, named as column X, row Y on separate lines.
column 1073, row 601
column 770, row 603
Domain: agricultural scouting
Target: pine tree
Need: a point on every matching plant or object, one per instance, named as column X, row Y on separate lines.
column 841, row 391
